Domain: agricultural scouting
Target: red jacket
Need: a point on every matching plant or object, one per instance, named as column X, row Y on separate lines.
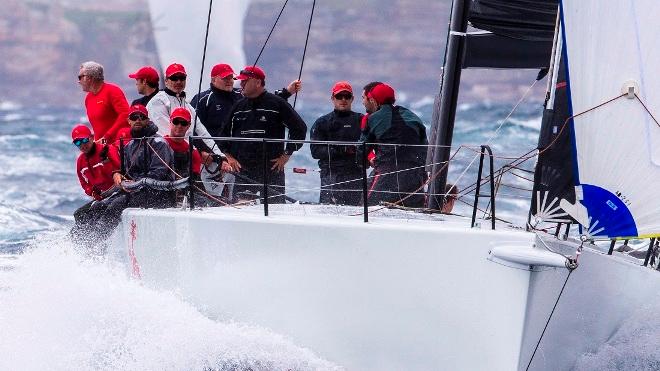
column 182, row 147
column 95, row 175
column 107, row 111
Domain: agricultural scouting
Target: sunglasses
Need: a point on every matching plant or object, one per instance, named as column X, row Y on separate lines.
column 177, row 78
column 80, row 77
column 137, row 117
column 180, row 122
column 344, row 96
column 80, row 141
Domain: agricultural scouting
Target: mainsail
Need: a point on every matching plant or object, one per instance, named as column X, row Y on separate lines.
column 610, row 48
column 179, row 29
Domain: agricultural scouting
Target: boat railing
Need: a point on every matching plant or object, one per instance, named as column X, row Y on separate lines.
column 359, row 187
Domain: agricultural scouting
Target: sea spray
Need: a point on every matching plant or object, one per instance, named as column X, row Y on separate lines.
column 60, row 310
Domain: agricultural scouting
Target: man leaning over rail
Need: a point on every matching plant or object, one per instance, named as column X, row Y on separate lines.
column 398, row 137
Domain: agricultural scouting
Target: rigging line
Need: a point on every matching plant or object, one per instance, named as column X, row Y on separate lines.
column 302, row 62
column 515, row 107
column 270, row 33
column 647, row 110
column 201, row 72
column 180, row 177
column 549, row 318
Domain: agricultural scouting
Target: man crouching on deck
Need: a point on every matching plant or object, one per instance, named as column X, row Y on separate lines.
column 147, row 155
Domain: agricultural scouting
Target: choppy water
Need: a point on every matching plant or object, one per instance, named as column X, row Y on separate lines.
column 63, row 311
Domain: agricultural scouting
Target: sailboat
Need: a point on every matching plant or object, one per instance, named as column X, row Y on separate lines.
column 404, row 291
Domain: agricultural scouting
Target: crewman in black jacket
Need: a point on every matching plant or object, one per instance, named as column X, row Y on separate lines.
column 260, row 115
column 340, row 175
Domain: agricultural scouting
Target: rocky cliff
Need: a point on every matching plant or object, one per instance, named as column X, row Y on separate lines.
column 399, row 41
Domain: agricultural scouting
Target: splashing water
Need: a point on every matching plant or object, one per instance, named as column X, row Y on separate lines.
column 633, row 347
column 61, row 311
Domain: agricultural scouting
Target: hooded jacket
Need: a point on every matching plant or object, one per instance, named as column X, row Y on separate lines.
column 395, row 125
column 148, row 155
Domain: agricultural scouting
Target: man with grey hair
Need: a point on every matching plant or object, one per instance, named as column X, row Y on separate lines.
column 106, row 105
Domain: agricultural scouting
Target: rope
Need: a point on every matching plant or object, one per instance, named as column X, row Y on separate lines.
column 549, row 318
column 302, row 62
column 270, row 33
column 647, row 110
column 201, row 72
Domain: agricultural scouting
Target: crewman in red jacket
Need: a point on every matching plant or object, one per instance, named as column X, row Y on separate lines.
column 107, row 108
column 95, row 165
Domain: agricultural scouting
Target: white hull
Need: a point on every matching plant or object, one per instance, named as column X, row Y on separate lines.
column 389, row 294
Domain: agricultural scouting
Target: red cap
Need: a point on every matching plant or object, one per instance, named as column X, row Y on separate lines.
column 180, row 113
column 175, row 68
column 253, row 72
column 147, row 72
column 138, row 108
column 382, row 93
column 80, row 131
column 222, row 70
column 342, row 86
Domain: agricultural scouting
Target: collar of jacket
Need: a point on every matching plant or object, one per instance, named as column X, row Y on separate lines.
column 170, row 92
column 220, row 92
column 339, row 113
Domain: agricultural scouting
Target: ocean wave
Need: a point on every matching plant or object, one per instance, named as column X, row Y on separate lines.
column 12, row 117
column 62, row 311
column 9, row 106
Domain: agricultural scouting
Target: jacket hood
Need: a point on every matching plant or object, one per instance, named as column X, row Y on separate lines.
column 148, row 131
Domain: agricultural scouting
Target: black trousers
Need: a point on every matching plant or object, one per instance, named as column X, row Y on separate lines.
column 389, row 185
column 100, row 218
column 341, row 186
column 251, row 179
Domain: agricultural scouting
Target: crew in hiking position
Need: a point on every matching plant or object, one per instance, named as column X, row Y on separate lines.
column 260, row 115
column 95, row 165
column 400, row 147
column 105, row 103
column 340, row 174
column 147, row 155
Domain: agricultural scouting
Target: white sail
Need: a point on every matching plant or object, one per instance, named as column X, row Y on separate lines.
column 611, row 46
column 179, row 29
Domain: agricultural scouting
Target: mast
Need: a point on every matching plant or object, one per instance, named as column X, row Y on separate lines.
column 444, row 112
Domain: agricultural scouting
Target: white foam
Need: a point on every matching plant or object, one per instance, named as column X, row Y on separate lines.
column 59, row 311
column 633, row 347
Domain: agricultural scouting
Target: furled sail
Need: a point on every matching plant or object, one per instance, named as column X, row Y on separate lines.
column 610, row 47
column 179, row 29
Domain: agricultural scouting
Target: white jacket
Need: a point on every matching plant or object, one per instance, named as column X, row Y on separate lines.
column 160, row 107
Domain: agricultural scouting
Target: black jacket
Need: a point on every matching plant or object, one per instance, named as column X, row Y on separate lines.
column 266, row 116
column 145, row 99
column 337, row 126
column 213, row 106
column 139, row 157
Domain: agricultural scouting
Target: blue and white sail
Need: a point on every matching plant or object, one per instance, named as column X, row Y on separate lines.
column 179, row 29
column 611, row 48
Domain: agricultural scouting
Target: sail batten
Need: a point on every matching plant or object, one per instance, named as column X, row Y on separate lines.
column 609, row 46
